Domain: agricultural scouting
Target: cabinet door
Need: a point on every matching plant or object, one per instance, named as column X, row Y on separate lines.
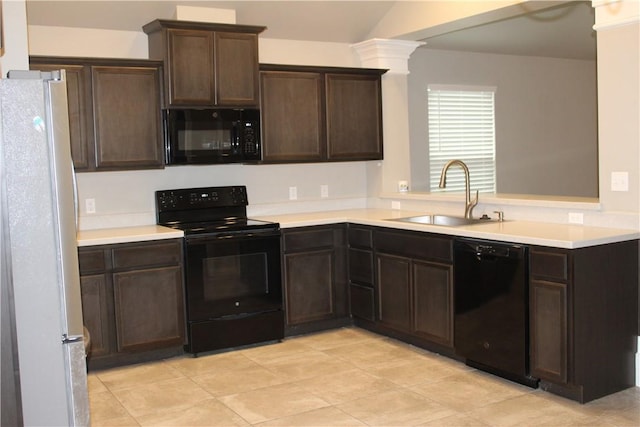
column 190, row 74
column 354, row 117
column 433, row 301
column 394, row 291
column 309, row 286
column 548, row 330
column 292, row 116
column 236, row 69
column 96, row 313
column 80, row 112
column 126, row 102
column 149, row 308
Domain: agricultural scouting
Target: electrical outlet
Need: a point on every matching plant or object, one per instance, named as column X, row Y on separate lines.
column 293, row 193
column 324, row 191
column 395, row 205
column 576, row 218
column 90, row 206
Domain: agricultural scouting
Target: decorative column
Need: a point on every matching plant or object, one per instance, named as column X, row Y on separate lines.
column 617, row 23
column 383, row 177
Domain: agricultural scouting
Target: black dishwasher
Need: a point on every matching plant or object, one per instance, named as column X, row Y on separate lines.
column 491, row 308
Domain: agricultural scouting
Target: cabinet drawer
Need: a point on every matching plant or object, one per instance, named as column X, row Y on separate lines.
column 157, row 253
column 549, row 265
column 91, row 261
column 414, row 245
column 360, row 237
column 308, row 238
column 360, row 266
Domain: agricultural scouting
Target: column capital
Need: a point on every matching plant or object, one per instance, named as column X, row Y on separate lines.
column 384, row 53
column 615, row 13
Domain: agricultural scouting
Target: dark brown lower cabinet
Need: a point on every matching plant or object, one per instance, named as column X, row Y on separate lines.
column 414, row 287
column 314, row 275
column 394, row 291
column 158, row 322
column 549, row 349
column 132, row 301
column 96, row 312
column 583, row 308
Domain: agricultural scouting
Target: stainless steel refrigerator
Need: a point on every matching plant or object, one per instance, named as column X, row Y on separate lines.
column 40, row 279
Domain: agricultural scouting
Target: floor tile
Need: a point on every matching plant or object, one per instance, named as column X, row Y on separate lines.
column 307, row 364
column 104, row 406
column 370, row 353
column 344, row 386
column 94, row 384
column 275, row 352
column 529, row 410
column 469, row 390
column 162, row 396
column 323, row 417
column 336, row 338
column 269, row 403
column 395, row 408
column 194, row 366
column 126, row 421
column 235, row 380
column 204, row 413
column 417, row 368
column 136, row 375
column 457, row 420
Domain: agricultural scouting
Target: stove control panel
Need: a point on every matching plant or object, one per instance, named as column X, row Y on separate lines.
column 199, row 198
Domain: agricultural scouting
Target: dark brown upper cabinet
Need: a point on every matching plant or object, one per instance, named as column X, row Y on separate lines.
column 114, row 111
column 207, row 65
column 313, row 114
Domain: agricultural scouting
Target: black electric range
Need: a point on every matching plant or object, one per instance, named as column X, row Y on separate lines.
column 232, row 267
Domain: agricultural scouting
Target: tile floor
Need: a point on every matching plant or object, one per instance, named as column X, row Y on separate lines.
column 344, row 377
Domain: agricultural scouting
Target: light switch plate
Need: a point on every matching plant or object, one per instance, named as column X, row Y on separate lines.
column 324, row 191
column 619, row 181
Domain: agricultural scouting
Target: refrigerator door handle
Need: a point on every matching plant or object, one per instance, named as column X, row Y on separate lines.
column 66, row 339
column 76, row 205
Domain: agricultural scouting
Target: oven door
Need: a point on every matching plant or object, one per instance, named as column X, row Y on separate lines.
column 233, row 275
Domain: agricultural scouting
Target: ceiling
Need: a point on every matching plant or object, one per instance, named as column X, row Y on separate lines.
column 561, row 31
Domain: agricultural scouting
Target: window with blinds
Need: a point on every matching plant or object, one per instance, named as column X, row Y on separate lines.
column 462, row 126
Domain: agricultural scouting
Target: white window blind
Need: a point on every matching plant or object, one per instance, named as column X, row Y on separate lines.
column 462, row 126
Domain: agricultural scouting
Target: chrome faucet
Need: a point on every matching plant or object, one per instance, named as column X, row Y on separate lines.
column 469, row 205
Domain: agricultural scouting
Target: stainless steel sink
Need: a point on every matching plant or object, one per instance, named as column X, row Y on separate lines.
column 446, row 220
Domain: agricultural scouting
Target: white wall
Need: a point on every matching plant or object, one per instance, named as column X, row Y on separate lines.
column 546, row 118
column 14, row 32
column 618, row 126
column 126, row 198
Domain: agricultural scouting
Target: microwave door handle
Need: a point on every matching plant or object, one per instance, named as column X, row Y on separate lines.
column 235, row 139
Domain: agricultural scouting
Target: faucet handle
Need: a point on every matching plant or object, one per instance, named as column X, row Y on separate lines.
column 500, row 215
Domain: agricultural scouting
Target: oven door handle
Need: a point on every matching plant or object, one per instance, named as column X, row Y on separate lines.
column 232, row 236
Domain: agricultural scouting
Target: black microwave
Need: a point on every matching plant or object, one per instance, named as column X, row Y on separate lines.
column 210, row 136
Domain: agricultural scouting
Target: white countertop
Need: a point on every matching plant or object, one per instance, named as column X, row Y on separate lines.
column 566, row 236
column 108, row 236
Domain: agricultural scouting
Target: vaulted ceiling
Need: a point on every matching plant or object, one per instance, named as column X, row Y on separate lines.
column 564, row 30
